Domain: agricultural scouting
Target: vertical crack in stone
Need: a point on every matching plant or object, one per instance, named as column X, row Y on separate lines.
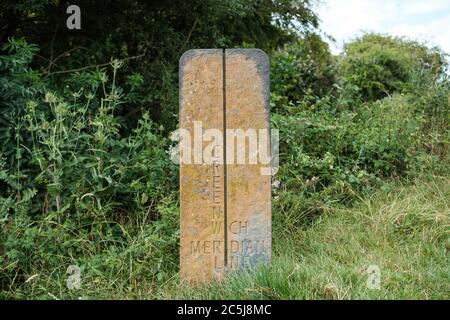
column 224, row 151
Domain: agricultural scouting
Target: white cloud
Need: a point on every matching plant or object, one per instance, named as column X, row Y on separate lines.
column 424, row 7
column 424, row 20
column 433, row 33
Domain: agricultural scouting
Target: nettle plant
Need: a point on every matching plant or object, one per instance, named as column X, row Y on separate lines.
column 66, row 146
column 80, row 146
column 66, row 168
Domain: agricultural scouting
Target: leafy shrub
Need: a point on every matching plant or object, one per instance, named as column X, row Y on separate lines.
column 329, row 158
column 301, row 73
column 18, row 83
column 71, row 186
column 375, row 66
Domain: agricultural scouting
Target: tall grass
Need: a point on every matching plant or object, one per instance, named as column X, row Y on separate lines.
column 404, row 230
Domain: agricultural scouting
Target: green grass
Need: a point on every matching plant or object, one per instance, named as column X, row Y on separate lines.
column 404, row 230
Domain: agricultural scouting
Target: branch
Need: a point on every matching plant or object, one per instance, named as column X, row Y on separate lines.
column 93, row 66
column 189, row 34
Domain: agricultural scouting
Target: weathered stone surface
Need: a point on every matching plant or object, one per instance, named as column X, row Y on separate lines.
column 248, row 192
column 201, row 186
column 225, row 221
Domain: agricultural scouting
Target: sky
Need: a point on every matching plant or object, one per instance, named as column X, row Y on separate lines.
column 424, row 20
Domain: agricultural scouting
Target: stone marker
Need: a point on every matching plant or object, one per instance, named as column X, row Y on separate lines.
column 225, row 221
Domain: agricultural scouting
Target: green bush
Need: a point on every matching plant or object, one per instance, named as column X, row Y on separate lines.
column 375, row 66
column 301, row 74
column 18, row 84
column 329, row 158
column 71, row 186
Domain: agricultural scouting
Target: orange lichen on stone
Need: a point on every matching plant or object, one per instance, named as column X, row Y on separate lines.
column 225, row 221
column 249, row 193
column 201, row 186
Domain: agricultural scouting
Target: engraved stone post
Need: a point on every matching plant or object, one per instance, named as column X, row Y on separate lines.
column 225, row 188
